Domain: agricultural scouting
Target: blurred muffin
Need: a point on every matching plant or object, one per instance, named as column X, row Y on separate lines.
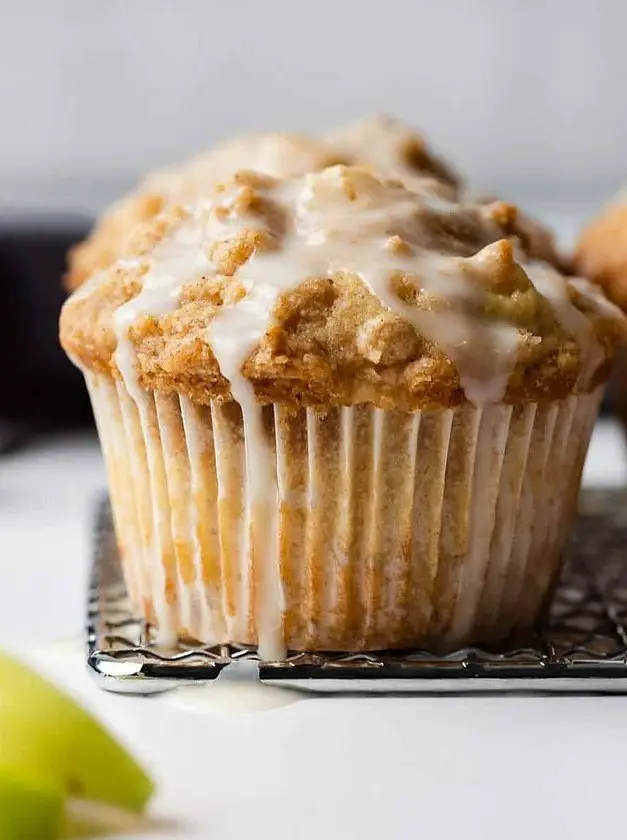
column 393, row 149
column 396, row 152
column 601, row 255
column 337, row 414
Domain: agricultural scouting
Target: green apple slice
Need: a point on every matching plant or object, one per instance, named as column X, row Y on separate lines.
column 28, row 808
column 46, row 735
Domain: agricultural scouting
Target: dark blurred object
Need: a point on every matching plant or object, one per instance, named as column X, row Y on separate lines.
column 41, row 388
column 13, row 437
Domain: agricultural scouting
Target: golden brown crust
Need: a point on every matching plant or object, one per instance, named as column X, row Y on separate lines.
column 332, row 341
column 601, row 253
column 109, row 237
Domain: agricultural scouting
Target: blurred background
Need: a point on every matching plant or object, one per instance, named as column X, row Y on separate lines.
column 527, row 98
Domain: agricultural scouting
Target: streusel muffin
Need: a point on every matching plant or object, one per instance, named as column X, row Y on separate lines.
column 338, row 414
column 601, row 255
column 601, row 252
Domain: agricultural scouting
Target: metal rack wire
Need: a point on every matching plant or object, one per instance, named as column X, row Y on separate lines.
column 582, row 647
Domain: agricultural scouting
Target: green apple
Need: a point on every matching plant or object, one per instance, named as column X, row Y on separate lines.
column 28, row 808
column 45, row 735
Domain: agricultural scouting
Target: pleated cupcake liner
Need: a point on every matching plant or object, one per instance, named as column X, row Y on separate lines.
column 372, row 529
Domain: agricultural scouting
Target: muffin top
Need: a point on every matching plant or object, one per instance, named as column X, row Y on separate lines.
column 601, row 253
column 334, row 288
column 393, row 149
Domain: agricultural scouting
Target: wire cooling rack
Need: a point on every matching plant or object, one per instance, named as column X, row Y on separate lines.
column 582, row 647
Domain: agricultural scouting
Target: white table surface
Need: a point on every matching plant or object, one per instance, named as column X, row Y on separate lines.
column 474, row 767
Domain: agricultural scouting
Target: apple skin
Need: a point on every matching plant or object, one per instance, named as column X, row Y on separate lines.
column 29, row 808
column 44, row 734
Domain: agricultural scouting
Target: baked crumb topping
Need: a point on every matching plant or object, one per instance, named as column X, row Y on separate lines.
column 334, row 288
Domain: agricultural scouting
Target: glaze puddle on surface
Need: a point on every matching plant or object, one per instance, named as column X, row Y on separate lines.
column 236, row 691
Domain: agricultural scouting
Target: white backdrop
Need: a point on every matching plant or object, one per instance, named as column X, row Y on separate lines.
column 518, row 92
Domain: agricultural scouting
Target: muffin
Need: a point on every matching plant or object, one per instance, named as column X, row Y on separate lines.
column 601, row 255
column 395, row 150
column 601, row 252
column 338, row 414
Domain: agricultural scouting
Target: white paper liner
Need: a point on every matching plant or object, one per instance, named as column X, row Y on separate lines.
column 389, row 529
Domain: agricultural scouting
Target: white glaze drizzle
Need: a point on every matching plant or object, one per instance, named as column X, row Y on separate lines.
column 349, row 238
column 232, row 335
column 176, row 259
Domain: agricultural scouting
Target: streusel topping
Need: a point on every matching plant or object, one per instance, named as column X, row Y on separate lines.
column 338, row 287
